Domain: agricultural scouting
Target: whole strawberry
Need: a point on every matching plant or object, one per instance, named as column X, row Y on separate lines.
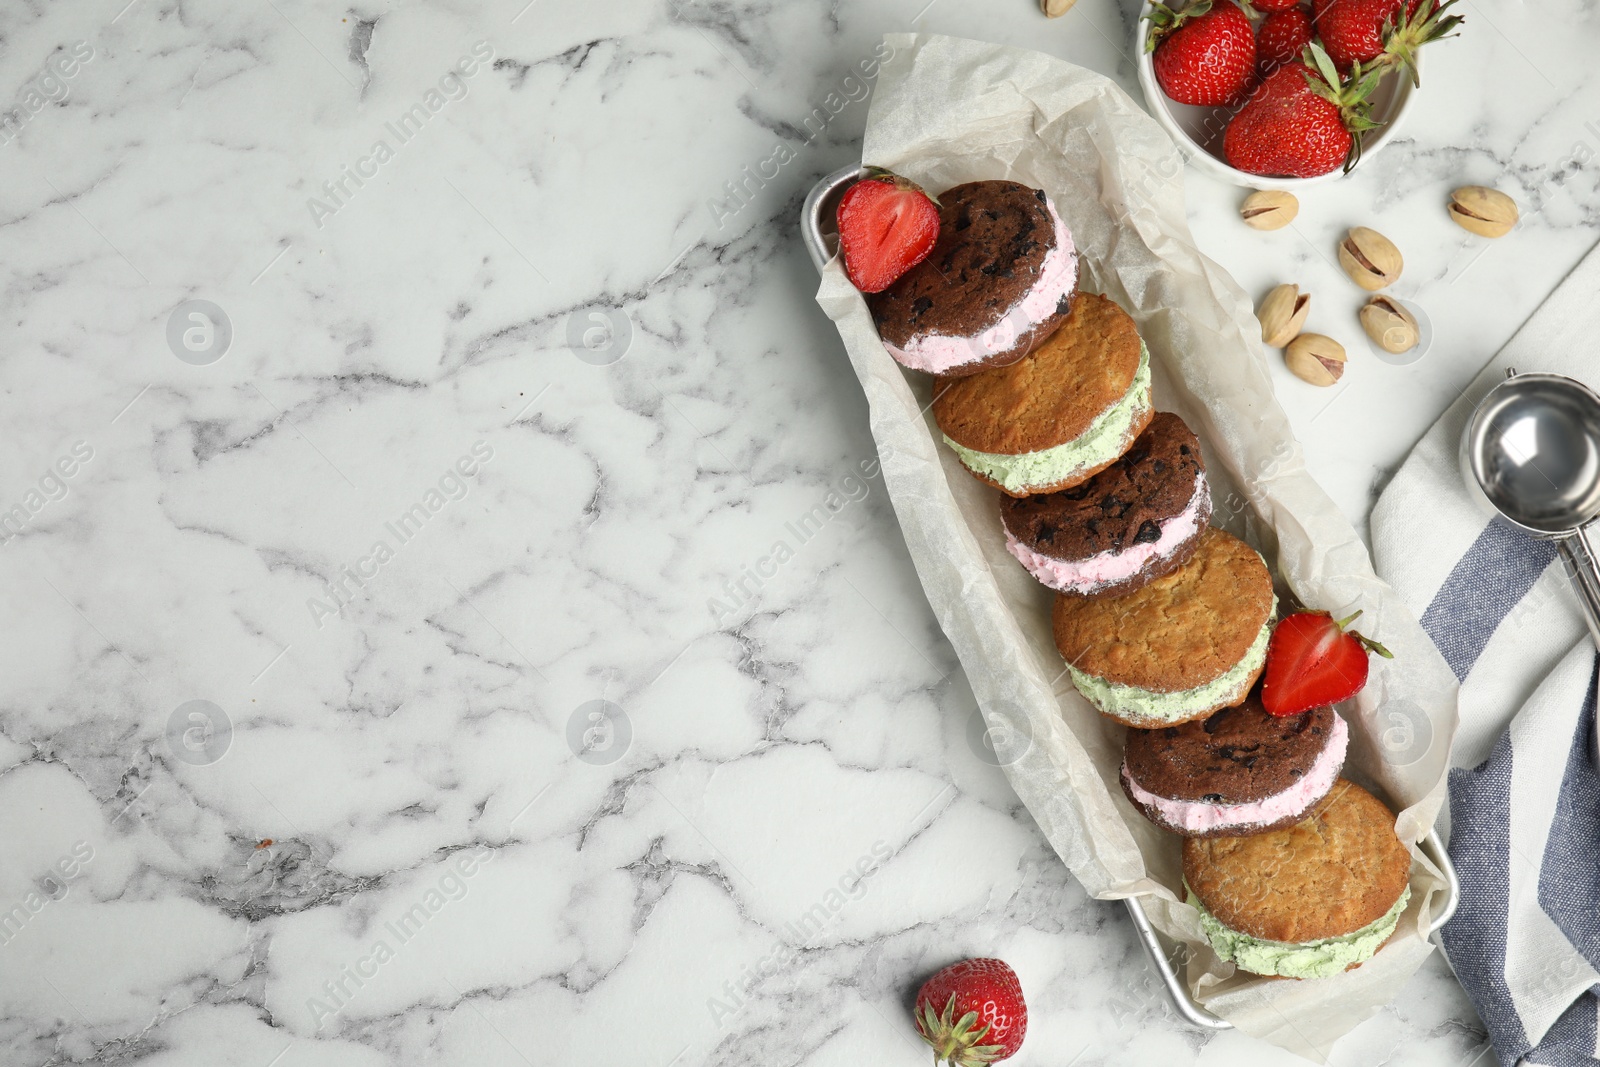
column 1381, row 32
column 972, row 1013
column 1269, row 6
column 1204, row 54
column 887, row 225
column 1282, row 36
column 1312, row 661
column 1301, row 123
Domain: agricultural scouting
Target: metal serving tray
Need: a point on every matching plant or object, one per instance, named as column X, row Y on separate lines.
column 822, row 240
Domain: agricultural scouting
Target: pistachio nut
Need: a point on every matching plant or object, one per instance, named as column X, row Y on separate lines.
column 1390, row 325
column 1485, row 212
column 1056, row 8
column 1370, row 258
column 1269, row 209
column 1283, row 314
column 1315, row 358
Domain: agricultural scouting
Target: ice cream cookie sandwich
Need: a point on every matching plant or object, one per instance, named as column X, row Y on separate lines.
column 1136, row 520
column 1307, row 901
column 1000, row 279
column 1058, row 417
column 1177, row 648
column 1240, row 771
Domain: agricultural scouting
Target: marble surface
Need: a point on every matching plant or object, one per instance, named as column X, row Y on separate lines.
column 397, row 669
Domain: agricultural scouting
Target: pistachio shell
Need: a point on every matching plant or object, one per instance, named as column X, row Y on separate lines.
column 1370, row 258
column 1483, row 211
column 1315, row 358
column 1283, row 314
column 1390, row 324
column 1269, row 209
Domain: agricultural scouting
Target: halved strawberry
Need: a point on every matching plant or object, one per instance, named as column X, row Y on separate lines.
column 887, row 225
column 1312, row 660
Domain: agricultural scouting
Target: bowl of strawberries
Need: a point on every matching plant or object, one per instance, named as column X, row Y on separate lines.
column 1276, row 94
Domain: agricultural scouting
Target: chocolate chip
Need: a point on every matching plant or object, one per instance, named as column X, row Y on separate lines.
column 1212, row 798
column 1149, row 533
column 920, row 305
column 1159, row 467
column 1040, row 194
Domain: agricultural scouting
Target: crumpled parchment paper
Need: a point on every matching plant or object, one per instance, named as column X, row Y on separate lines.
column 948, row 111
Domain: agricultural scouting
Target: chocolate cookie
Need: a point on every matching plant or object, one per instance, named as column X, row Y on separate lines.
column 1136, row 520
column 1339, row 870
column 1239, row 771
column 1178, row 648
column 1058, row 417
column 1000, row 279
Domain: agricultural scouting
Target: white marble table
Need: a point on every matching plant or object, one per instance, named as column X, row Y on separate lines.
column 405, row 535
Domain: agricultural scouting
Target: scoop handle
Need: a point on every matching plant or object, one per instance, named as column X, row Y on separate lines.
column 1577, row 552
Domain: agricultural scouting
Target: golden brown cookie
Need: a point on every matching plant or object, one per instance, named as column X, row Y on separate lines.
column 1178, row 632
column 1055, row 394
column 1334, row 872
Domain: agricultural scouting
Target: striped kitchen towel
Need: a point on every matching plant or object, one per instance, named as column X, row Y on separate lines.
column 1524, row 811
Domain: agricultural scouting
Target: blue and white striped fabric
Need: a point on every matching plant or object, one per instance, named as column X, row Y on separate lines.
column 1524, row 811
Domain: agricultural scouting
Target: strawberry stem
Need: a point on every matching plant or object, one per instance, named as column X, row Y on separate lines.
column 1367, row 642
column 1164, row 19
column 1350, row 95
column 1372, row 646
column 1403, row 35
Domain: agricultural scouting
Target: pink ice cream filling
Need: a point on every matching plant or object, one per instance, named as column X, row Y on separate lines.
column 1058, row 275
column 1108, row 568
column 1197, row 817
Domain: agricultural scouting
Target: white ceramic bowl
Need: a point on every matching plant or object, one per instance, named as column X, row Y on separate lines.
column 1198, row 130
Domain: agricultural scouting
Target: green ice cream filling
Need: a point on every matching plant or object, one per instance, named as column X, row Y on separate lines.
column 1298, row 959
column 1098, row 445
column 1132, row 702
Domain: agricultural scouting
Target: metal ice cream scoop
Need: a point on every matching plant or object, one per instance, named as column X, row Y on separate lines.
column 1531, row 454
